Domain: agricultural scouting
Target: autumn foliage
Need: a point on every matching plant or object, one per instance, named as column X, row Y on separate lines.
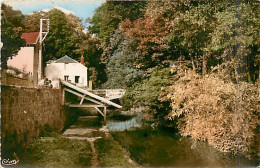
column 149, row 33
column 221, row 113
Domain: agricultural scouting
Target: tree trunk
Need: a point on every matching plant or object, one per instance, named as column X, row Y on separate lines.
column 193, row 64
column 204, row 63
column 248, row 75
column 236, row 74
column 259, row 71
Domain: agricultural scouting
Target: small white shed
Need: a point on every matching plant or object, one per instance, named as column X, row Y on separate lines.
column 67, row 69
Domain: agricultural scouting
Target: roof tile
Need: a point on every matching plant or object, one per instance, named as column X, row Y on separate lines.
column 31, row 37
column 66, row 59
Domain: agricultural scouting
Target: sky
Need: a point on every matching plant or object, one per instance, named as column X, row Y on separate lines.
column 81, row 8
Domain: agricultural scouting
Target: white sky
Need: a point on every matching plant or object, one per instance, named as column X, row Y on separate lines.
column 81, row 8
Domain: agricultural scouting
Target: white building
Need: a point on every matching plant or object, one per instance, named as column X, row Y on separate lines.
column 67, row 69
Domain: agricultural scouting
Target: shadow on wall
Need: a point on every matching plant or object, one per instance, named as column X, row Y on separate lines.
column 28, row 113
column 10, row 79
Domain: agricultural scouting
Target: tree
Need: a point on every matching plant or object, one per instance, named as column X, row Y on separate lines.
column 207, row 29
column 62, row 39
column 32, row 21
column 108, row 16
column 90, row 47
column 150, row 31
column 67, row 37
column 11, row 30
column 120, row 68
column 146, row 92
column 237, row 29
column 191, row 31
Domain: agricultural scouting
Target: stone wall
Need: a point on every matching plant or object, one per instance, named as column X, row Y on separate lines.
column 7, row 79
column 29, row 112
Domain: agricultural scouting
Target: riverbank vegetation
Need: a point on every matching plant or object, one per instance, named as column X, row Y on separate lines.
column 211, row 109
column 56, row 151
column 111, row 154
column 193, row 64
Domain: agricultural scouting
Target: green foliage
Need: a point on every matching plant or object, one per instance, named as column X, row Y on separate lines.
column 236, row 24
column 147, row 91
column 108, row 16
column 32, row 21
column 120, row 68
column 11, row 28
column 61, row 39
column 90, row 47
column 207, row 30
column 11, row 16
column 66, row 37
column 111, row 154
column 150, row 31
column 57, row 151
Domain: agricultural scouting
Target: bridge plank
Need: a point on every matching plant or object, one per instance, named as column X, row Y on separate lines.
column 90, row 94
column 81, row 101
column 87, row 98
column 99, row 111
column 85, row 105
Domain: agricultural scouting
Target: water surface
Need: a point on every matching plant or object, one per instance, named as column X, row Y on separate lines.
column 164, row 148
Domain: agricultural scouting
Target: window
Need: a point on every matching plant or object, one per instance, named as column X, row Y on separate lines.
column 66, row 78
column 76, row 79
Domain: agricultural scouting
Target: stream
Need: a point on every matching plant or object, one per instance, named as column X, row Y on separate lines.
column 164, row 148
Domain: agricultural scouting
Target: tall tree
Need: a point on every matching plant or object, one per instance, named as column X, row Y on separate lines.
column 237, row 29
column 61, row 39
column 207, row 28
column 108, row 16
column 91, row 48
column 32, row 21
column 120, row 67
column 150, row 32
column 11, row 28
column 192, row 30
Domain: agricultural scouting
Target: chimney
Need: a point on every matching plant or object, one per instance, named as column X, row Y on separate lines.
column 82, row 60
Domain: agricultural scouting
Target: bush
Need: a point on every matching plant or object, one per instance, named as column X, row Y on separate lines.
column 210, row 109
column 147, row 91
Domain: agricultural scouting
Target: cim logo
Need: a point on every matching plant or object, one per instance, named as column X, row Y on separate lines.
column 8, row 162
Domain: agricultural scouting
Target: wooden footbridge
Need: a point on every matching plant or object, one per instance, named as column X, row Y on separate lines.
column 91, row 99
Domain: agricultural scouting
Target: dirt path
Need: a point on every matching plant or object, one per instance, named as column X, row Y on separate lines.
column 90, row 130
column 94, row 160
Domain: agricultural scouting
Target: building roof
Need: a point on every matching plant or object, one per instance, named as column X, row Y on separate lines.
column 31, row 37
column 66, row 59
column 50, row 61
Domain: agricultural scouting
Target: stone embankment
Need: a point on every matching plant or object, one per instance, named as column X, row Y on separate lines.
column 27, row 113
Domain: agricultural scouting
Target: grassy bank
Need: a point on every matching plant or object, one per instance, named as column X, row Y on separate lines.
column 56, row 151
column 110, row 154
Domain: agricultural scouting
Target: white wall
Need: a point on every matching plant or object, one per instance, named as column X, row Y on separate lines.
column 59, row 70
column 23, row 59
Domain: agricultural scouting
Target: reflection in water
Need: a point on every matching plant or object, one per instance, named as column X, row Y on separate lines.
column 163, row 148
column 134, row 122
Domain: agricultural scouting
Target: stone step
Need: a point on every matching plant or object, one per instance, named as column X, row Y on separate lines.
column 92, row 139
column 79, row 131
